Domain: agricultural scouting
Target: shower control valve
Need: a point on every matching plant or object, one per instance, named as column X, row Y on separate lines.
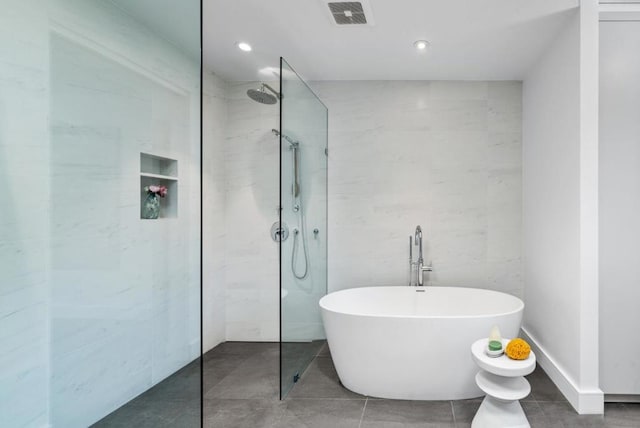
column 279, row 233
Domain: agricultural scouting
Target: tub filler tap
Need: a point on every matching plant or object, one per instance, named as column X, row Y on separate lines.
column 418, row 265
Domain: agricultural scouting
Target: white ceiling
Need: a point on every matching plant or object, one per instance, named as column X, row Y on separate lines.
column 470, row 39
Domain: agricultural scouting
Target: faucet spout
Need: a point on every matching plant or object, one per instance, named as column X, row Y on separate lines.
column 418, row 242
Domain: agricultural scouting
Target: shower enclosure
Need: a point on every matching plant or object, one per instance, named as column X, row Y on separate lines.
column 99, row 306
column 303, row 210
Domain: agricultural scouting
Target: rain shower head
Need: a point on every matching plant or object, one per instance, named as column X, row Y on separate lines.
column 262, row 96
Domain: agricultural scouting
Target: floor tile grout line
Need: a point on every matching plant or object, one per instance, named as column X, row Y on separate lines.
column 363, row 410
column 549, row 401
column 321, row 398
column 453, row 413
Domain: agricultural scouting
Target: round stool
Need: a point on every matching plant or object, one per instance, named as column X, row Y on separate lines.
column 502, row 380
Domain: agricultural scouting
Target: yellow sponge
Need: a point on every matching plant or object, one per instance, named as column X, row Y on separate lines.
column 518, row 349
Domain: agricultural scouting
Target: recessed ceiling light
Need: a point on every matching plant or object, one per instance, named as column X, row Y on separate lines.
column 244, row 46
column 421, row 44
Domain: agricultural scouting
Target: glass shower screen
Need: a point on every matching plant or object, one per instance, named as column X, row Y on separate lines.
column 99, row 301
column 303, row 209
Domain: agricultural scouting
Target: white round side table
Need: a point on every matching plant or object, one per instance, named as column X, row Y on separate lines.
column 502, row 379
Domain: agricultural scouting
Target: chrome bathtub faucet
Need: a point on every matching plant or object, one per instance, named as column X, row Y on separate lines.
column 420, row 268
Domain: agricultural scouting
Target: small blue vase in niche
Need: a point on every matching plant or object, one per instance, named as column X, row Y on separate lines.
column 151, row 207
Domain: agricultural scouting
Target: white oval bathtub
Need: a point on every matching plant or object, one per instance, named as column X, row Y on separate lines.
column 413, row 343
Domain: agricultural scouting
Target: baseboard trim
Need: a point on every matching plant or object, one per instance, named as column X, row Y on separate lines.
column 621, row 398
column 584, row 401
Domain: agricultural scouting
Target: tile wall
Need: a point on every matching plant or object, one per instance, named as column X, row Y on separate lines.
column 445, row 155
column 96, row 305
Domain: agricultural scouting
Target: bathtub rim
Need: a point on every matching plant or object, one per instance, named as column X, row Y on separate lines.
column 406, row 316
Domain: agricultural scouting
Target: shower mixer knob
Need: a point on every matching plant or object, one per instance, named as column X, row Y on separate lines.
column 279, row 233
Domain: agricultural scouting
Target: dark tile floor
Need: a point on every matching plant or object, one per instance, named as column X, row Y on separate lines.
column 296, row 356
column 174, row 402
column 241, row 383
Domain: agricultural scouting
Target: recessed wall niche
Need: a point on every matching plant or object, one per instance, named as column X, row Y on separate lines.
column 160, row 171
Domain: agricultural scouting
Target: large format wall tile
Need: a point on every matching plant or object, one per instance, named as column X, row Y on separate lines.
column 446, row 155
column 95, row 307
column 24, row 211
column 124, row 292
column 214, row 230
column 251, row 158
column 443, row 154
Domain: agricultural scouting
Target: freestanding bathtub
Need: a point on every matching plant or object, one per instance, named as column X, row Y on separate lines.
column 413, row 343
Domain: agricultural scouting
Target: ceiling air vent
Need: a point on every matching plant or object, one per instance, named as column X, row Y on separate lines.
column 350, row 12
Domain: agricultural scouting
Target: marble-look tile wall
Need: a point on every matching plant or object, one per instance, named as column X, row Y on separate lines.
column 251, row 160
column 241, row 266
column 96, row 305
column 445, row 155
column 24, row 211
column 214, row 127
column 122, row 288
column 125, row 309
column 304, row 119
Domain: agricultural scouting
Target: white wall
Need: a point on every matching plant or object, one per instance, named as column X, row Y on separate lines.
column 551, row 144
column 558, row 190
column 241, row 157
column 96, row 304
column 214, row 119
column 251, row 159
column 24, row 214
column 242, row 296
column 619, row 206
column 124, row 291
column 304, row 119
column 445, row 155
